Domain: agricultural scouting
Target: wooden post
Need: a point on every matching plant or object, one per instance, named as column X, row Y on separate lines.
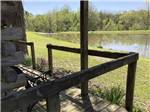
column 84, row 42
column 33, row 55
column 50, row 60
column 130, row 86
column 53, row 103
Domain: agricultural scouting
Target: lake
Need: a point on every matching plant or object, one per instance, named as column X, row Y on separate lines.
column 131, row 43
column 123, row 42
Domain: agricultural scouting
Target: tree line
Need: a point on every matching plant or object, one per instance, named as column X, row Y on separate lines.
column 65, row 19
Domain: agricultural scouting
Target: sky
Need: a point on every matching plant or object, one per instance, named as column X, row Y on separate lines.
column 43, row 6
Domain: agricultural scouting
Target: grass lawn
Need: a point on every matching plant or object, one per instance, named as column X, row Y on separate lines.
column 115, row 32
column 117, row 77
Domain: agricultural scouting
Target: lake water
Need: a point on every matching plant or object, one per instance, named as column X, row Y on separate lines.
column 131, row 43
column 122, row 42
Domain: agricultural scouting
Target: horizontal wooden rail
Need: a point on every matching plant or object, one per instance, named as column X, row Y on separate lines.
column 27, row 97
column 20, row 42
column 105, row 54
column 31, row 44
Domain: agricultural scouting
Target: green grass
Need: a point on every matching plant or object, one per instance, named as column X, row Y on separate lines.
column 117, row 77
column 124, row 32
column 113, row 32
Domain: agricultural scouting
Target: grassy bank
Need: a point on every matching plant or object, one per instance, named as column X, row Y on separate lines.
column 114, row 78
column 134, row 32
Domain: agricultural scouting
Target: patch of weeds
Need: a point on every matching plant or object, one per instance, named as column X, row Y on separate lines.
column 114, row 94
column 41, row 64
column 27, row 61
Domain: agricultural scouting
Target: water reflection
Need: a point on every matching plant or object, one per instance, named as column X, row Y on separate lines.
column 132, row 43
column 127, row 42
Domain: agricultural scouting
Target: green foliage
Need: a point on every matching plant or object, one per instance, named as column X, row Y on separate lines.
column 137, row 109
column 27, row 61
column 66, row 20
column 114, row 95
column 110, row 26
column 93, row 19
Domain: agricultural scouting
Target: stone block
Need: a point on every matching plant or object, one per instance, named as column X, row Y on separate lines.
column 8, row 49
column 12, row 33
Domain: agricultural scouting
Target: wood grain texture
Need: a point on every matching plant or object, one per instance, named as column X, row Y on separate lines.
column 54, row 87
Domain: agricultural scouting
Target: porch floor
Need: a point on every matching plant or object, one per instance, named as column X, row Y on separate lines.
column 71, row 101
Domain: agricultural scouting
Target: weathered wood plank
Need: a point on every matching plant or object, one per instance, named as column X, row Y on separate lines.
column 53, row 87
column 106, row 54
column 71, row 103
column 29, row 71
column 113, row 107
column 101, row 105
column 67, row 105
column 130, row 86
column 121, row 109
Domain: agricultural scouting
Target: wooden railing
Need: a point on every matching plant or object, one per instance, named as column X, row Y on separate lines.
column 113, row 55
column 31, row 44
column 51, row 89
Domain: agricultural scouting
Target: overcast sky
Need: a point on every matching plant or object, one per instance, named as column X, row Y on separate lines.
column 43, row 6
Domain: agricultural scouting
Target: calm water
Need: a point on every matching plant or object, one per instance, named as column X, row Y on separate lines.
column 132, row 43
column 122, row 42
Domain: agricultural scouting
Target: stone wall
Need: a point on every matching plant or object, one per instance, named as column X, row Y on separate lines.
column 12, row 28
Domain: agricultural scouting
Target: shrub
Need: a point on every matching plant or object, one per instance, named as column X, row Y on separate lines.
column 27, row 61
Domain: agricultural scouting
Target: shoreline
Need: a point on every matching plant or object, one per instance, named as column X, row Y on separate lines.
column 134, row 32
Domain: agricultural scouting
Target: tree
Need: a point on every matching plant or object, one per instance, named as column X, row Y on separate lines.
column 66, row 20
column 93, row 18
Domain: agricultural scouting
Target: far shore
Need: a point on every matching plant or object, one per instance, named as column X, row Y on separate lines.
column 134, row 32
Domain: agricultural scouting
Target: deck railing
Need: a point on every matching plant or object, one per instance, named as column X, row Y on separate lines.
column 106, row 54
column 51, row 89
column 31, row 45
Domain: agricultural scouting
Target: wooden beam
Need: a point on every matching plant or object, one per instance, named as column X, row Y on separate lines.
column 130, row 86
column 105, row 54
column 25, row 98
column 33, row 55
column 19, row 42
column 50, row 59
column 84, row 43
column 53, row 103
